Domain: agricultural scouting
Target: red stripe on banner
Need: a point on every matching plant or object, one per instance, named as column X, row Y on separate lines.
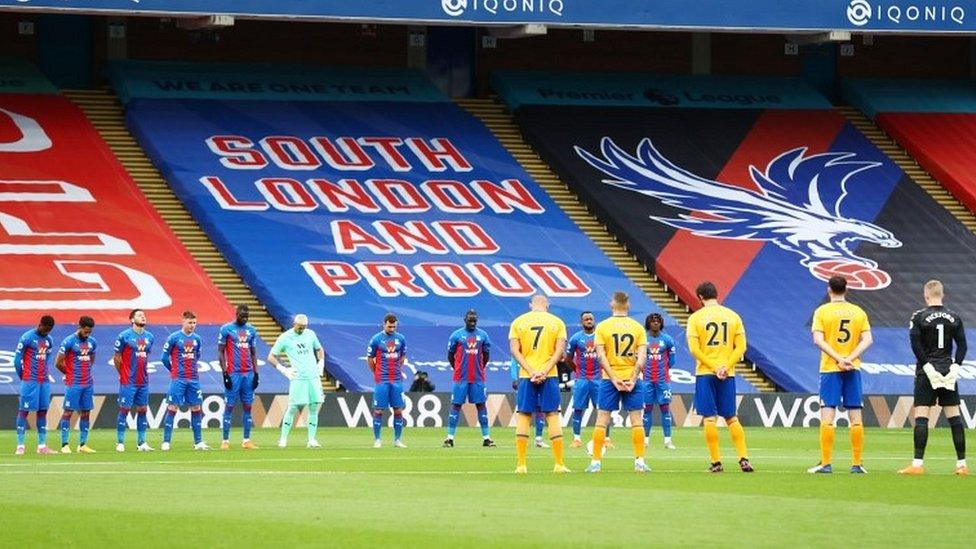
column 688, row 260
column 942, row 143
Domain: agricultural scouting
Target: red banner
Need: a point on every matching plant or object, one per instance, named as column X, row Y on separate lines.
column 76, row 234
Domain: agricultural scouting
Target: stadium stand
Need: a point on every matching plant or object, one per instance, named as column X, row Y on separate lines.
column 672, row 138
column 79, row 238
column 377, row 186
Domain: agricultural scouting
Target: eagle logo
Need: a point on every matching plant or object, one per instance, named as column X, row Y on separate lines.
column 798, row 205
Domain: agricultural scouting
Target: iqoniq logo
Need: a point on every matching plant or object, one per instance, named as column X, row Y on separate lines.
column 456, row 8
column 859, row 12
column 797, row 206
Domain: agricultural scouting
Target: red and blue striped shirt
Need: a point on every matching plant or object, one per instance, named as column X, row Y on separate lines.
column 467, row 350
column 660, row 358
column 79, row 358
column 238, row 341
column 581, row 350
column 134, row 348
column 33, row 355
column 387, row 351
column 181, row 355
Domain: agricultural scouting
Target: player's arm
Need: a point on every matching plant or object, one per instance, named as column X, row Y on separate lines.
column 117, row 357
column 19, row 359
column 672, row 351
column 515, row 347
column 254, row 355
column 862, row 345
column 485, row 350
column 166, row 359
column 557, row 353
column 915, row 336
column 641, row 357
column 59, row 361
column 960, row 340
column 451, row 348
column 403, row 353
column 694, row 347
column 821, row 342
column 601, row 355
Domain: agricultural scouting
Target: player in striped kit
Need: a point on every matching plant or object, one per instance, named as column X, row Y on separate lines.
column 76, row 357
column 385, row 356
column 581, row 352
column 132, row 349
column 181, row 356
column 237, row 353
column 31, row 364
column 467, row 353
column 657, row 377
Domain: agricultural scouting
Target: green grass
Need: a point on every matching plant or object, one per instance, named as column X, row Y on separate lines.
column 348, row 494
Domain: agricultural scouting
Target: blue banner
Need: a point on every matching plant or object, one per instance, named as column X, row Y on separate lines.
column 347, row 211
column 899, row 95
column 271, row 81
column 862, row 15
column 107, row 379
column 519, row 88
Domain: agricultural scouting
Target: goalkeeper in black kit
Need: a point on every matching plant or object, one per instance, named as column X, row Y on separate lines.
column 934, row 331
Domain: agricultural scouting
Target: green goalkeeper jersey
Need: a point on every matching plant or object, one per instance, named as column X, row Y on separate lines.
column 300, row 350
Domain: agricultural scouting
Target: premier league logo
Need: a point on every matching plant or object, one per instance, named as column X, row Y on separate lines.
column 798, row 206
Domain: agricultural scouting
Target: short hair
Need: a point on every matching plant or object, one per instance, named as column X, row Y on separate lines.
column 934, row 288
column 47, row 320
column 86, row 322
column 242, row 307
column 621, row 299
column 390, row 317
column 470, row 312
column 653, row 316
column 706, row 290
column 584, row 313
column 300, row 318
column 837, row 284
column 133, row 312
column 187, row 315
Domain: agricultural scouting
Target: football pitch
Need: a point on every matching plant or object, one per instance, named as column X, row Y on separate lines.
column 349, row 494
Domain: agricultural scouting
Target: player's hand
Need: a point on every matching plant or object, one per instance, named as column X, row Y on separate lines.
column 227, row 382
column 515, row 385
column 951, row 377
column 619, row 384
column 254, row 381
column 321, row 366
column 538, row 378
column 287, row 372
column 628, row 385
column 722, row 372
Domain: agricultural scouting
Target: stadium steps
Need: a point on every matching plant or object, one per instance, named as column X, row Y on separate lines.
column 105, row 112
column 903, row 160
column 497, row 119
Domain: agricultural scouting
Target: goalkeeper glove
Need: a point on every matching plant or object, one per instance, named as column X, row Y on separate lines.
column 952, row 377
column 227, row 383
column 254, row 382
column 287, row 372
column 935, row 378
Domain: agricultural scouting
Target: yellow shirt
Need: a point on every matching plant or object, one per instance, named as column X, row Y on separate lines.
column 621, row 337
column 716, row 337
column 842, row 324
column 539, row 334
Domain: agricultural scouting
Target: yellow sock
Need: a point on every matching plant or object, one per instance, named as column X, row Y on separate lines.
column 555, row 437
column 522, row 438
column 738, row 437
column 857, row 443
column 711, row 439
column 599, row 436
column 637, row 437
column 826, row 443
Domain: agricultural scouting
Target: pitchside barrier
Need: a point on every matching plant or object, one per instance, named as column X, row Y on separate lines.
column 431, row 409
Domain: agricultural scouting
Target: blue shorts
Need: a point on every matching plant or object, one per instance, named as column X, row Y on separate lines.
column 714, row 396
column 388, row 395
column 838, row 388
column 131, row 396
column 34, row 395
column 475, row 392
column 184, row 392
column 585, row 392
column 658, row 392
column 241, row 389
column 79, row 399
column 543, row 397
column 610, row 397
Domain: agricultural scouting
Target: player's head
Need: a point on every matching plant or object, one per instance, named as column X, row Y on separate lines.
column 587, row 321
column 620, row 303
column 390, row 323
column 138, row 318
column 85, row 326
column 299, row 323
column 654, row 322
column 243, row 313
column 45, row 325
column 837, row 286
column 471, row 319
column 189, row 322
column 934, row 292
column 539, row 302
column 706, row 291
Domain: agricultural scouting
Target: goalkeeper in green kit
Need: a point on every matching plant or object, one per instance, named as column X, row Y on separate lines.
column 303, row 365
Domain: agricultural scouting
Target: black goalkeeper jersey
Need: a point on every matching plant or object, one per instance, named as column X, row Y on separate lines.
column 934, row 331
